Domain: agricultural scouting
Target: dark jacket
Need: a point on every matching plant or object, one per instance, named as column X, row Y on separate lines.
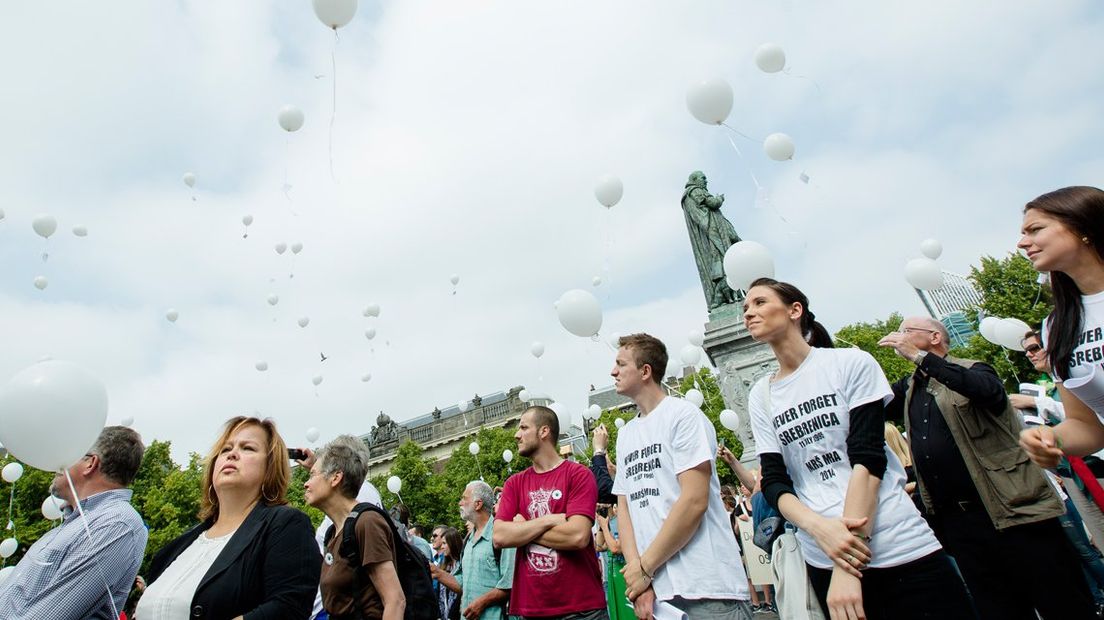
column 268, row 570
column 1013, row 490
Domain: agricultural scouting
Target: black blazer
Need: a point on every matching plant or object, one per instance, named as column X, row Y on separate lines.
column 268, row 570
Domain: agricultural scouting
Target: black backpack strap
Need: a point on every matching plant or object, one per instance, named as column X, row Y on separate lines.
column 350, row 550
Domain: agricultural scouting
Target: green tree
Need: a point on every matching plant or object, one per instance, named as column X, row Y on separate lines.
column 416, row 472
column 865, row 336
column 1009, row 289
column 172, row 506
column 25, row 495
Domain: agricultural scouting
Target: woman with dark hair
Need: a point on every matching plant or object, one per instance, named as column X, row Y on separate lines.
column 818, row 423
column 1063, row 234
column 252, row 554
column 448, row 600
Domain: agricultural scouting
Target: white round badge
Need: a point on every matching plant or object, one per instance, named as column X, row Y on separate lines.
column 557, row 494
column 329, row 559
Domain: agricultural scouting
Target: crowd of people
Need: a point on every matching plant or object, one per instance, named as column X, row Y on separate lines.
column 988, row 505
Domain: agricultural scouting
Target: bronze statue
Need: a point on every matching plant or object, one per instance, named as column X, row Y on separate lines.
column 711, row 234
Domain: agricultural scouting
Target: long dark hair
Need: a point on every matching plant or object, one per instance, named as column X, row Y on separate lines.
column 1080, row 208
column 455, row 545
column 813, row 332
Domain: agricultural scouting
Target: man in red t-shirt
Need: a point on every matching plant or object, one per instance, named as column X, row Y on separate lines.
column 546, row 512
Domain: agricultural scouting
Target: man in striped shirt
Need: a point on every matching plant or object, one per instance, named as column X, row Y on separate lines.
column 69, row 572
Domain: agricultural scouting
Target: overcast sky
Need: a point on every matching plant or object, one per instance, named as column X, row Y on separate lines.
column 467, row 139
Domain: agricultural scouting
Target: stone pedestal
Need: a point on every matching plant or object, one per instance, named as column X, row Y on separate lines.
column 740, row 362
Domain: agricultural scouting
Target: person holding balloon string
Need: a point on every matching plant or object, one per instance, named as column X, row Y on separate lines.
column 251, row 554
column 97, row 549
column 818, row 424
column 1063, row 234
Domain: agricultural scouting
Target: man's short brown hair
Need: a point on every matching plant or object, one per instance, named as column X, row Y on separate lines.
column 647, row 349
column 543, row 416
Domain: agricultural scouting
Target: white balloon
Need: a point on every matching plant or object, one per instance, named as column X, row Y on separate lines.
column 394, row 484
column 507, row 456
column 189, row 179
column 988, row 329
column 317, row 379
column 44, row 225
column 537, row 349
column 695, row 396
column 8, row 547
column 366, row 377
column 313, row 434
column 273, row 299
column 43, row 399
column 41, row 283
column 524, row 396
column 281, row 247
column 51, row 507
column 770, row 58
column 334, row 13
column 172, row 315
column 296, row 247
column 473, row 447
column 127, row 421
column 247, row 219
column 593, row 412
column 710, row 101
column 596, row 281
column 6, row 572
column 80, row 231
column 923, row 274
column 261, row 366
column 745, row 262
column 290, row 118
column 696, row 338
column 779, row 147
column 372, row 309
column 12, row 472
column 690, row 355
column 370, row 333
column 618, row 422
column 303, row 321
column 580, row 313
column 608, row 190
column 455, row 279
column 1010, row 333
column 562, row 415
column 931, row 248
column 730, row 420
column 615, row 340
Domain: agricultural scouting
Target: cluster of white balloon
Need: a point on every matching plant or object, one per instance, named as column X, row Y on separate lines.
column 1007, row 332
column 745, row 262
column 924, row 273
column 45, row 226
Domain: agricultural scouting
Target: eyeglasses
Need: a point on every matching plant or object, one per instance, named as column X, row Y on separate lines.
column 1032, row 349
column 909, row 330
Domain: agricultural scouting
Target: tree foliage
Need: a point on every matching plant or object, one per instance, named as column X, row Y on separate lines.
column 865, row 336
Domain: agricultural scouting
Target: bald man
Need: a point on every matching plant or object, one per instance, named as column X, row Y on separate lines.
column 990, row 506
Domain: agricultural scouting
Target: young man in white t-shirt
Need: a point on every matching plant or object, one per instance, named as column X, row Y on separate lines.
column 674, row 530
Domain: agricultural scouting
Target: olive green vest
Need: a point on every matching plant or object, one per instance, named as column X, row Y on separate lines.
column 1013, row 490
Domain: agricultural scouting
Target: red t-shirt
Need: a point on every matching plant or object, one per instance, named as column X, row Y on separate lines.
column 548, row 582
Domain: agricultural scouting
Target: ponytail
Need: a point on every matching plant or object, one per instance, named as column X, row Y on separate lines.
column 813, row 332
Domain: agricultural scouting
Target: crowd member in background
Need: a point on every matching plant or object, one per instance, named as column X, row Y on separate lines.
column 371, row 586
column 608, row 540
column 546, row 513
column 742, row 511
column 599, row 465
column 1063, row 234
column 400, row 514
column 486, row 574
column 251, row 555
column 675, row 536
column 818, row 423
column 993, row 510
column 66, row 575
column 746, row 476
column 448, row 594
column 897, row 443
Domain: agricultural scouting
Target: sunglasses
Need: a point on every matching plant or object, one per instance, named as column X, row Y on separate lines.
column 1032, row 349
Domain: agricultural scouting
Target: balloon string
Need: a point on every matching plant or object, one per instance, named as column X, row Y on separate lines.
column 88, row 532
column 741, row 156
column 333, row 110
column 741, row 134
column 787, row 72
column 1010, row 366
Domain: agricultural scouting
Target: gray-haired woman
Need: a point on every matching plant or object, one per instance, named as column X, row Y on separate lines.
column 337, row 472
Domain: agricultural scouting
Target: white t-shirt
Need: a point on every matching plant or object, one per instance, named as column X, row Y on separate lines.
column 807, row 421
column 1086, row 380
column 170, row 597
column 651, row 451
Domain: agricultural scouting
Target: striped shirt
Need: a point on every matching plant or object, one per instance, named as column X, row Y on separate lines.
column 65, row 576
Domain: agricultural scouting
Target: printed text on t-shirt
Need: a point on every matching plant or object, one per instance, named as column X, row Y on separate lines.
column 811, row 422
column 638, row 469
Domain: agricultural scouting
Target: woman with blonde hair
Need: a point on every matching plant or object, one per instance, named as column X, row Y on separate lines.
column 251, row 554
column 896, row 442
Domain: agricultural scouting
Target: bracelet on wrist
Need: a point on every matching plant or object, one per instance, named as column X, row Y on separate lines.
column 643, row 570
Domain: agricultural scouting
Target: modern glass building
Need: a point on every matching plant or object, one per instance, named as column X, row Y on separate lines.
column 948, row 304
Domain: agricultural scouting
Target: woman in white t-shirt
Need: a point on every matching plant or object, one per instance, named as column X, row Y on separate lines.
column 1063, row 234
column 818, row 425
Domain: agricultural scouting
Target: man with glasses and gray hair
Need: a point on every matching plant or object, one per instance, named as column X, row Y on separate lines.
column 486, row 574
column 70, row 571
column 992, row 508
